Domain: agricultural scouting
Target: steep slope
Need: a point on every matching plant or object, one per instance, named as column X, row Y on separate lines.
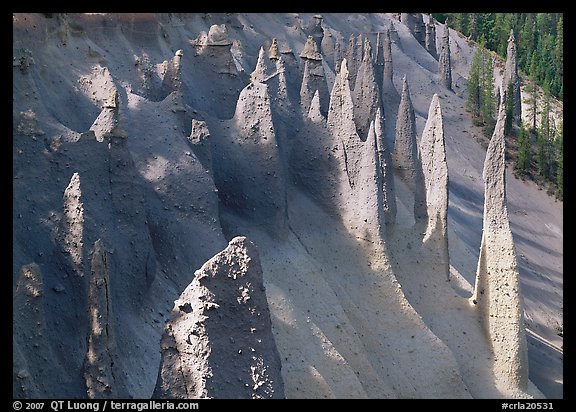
column 144, row 143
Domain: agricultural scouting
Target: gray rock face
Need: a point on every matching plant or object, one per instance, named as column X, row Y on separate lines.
column 430, row 41
column 405, row 157
column 107, row 123
column 313, row 78
column 99, row 371
column 366, row 95
column 444, row 65
column 212, row 52
column 341, row 123
column 497, row 290
column 435, row 170
column 385, row 171
column 315, row 30
column 71, row 231
column 34, row 374
column 405, row 154
column 172, row 74
column 415, row 24
column 511, row 76
column 352, row 61
column 218, row 342
column 246, row 159
column 262, row 70
column 337, row 55
column 390, row 97
column 200, row 140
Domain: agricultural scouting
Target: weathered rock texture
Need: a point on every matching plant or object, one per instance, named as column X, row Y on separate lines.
column 435, row 170
column 390, row 97
column 342, row 126
column 366, row 95
column 218, row 342
column 30, row 335
column 246, row 159
column 385, row 172
column 313, row 78
column 415, row 24
column 497, row 289
column 444, row 66
column 99, row 370
column 72, row 224
column 405, row 157
column 511, row 76
column 430, row 42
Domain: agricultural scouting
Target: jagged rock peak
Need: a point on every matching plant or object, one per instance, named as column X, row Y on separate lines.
column 314, row 113
column 366, row 93
column 198, row 354
column 72, row 224
column 430, row 42
column 444, row 65
column 310, row 50
column 435, row 171
column 261, row 72
column 497, row 289
column 405, row 149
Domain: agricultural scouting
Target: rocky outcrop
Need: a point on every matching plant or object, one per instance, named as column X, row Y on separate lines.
column 99, row 370
column 352, row 60
column 497, row 289
column 510, row 76
column 366, row 95
column 390, row 97
column 71, row 229
column 435, row 171
column 200, row 140
column 107, row 123
column 313, row 78
column 262, row 70
column 405, row 157
column 444, row 65
column 246, row 160
column 338, row 55
column 218, row 342
column 415, row 24
column 222, row 81
column 315, row 30
column 314, row 114
column 430, row 41
column 172, row 74
column 385, row 172
column 341, row 123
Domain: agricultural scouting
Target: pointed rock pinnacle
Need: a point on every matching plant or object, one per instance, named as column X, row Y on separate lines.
column 444, row 65
column 497, row 289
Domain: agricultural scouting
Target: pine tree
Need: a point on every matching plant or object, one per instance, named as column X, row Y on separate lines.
column 560, row 166
column 473, row 85
column 488, row 102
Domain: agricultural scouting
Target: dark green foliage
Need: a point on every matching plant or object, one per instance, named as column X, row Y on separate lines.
column 524, row 155
column 481, row 101
column 539, row 37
